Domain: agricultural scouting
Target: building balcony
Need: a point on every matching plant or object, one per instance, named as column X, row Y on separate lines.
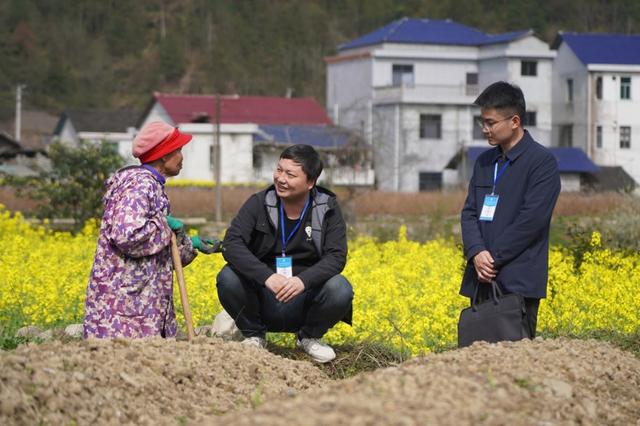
column 463, row 94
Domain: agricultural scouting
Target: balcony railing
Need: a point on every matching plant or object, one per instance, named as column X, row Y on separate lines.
column 426, row 93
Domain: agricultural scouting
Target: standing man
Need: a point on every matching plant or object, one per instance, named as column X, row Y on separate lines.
column 285, row 250
column 507, row 213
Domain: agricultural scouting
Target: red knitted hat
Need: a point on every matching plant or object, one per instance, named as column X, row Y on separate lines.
column 156, row 140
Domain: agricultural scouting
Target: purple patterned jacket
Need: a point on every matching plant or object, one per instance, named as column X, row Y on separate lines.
column 130, row 292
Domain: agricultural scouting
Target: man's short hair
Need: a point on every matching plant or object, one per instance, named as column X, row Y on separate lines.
column 307, row 157
column 503, row 96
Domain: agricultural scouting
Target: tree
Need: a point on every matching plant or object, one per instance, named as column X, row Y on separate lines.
column 73, row 188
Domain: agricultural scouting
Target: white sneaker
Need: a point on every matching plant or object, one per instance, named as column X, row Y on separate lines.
column 320, row 352
column 255, row 341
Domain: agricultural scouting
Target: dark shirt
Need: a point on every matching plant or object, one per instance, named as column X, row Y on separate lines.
column 253, row 236
column 300, row 247
column 518, row 236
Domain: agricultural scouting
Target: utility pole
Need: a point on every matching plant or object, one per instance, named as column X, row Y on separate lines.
column 217, row 165
column 19, row 111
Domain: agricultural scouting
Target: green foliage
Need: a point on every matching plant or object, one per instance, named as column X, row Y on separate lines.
column 114, row 54
column 73, row 187
column 620, row 231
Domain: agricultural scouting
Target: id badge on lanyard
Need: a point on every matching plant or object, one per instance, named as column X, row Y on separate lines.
column 284, row 263
column 490, row 203
column 284, row 266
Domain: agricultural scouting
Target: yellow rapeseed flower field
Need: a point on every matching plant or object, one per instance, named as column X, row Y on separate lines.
column 406, row 293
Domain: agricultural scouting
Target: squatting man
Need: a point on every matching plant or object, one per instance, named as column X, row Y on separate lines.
column 285, row 251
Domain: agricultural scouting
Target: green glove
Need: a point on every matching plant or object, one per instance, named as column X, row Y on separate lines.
column 206, row 245
column 174, row 223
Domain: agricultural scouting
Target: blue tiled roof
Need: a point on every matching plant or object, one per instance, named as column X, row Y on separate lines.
column 319, row 136
column 570, row 160
column 430, row 31
column 603, row 48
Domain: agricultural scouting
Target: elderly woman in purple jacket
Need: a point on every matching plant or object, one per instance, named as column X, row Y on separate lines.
column 130, row 291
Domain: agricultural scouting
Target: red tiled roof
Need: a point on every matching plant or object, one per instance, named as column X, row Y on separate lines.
column 243, row 109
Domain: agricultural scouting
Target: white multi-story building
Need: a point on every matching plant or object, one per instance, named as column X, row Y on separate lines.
column 409, row 87
column 596, row 97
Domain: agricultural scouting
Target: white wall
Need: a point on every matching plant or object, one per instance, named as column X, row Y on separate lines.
column 68, row 133
column 611, row 113
column 567, row 65
column 503, row 62
column 588, row 112
column 439, row 88
column 348, row 91
column 570, row 182
column 236, row 146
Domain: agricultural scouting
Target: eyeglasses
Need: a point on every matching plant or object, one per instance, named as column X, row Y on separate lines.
column 483, row 124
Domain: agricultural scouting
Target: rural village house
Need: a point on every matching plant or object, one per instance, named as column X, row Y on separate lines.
column 408, row 88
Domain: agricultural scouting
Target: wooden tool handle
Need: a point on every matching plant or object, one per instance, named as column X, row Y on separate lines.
column 177, row 265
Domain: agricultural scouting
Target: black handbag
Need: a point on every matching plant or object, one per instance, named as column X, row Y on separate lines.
column 501, row 317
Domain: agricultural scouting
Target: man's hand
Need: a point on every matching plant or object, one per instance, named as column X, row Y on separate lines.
column 275, row 283
column 483, row 263
column 293, row 287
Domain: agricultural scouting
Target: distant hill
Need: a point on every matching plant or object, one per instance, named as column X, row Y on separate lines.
column 108, row 53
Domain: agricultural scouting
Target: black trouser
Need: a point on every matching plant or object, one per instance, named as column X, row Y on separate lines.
column 256, row 309
column 530, row 304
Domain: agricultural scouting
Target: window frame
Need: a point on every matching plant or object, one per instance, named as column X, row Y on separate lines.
column 396, row 72
column 599, row 87
column 625, row 88
column 476, row 128
column 433, row 177
column 528, row 68
column 599, row 137
column 626, row 142
column 424, row 118
column 566, row 135
column 527, row 122
column 212, row 156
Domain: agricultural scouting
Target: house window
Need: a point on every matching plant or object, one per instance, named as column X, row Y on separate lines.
column 430, row 181
column 598, row 136
column 530, row 119
column 472, row 83
column 212, row 156
column 257, row 159
column 529, row 68
column 477, row 131
column 625, row 137
column 599, row 88
column 430, row 126
column 569, row 90
column 402, row 75
column 625, row 87
column 566, row 136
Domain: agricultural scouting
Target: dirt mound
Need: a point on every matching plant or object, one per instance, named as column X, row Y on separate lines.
column 541, row 382
column 152, row 381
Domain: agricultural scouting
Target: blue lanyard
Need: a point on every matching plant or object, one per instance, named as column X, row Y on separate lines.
column 295, row 228
column 497, row 174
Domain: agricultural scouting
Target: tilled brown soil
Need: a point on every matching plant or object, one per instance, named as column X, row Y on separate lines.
column 541, row 382
column 150, row 382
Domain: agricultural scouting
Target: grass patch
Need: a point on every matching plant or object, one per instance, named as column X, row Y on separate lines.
column 351, row 359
